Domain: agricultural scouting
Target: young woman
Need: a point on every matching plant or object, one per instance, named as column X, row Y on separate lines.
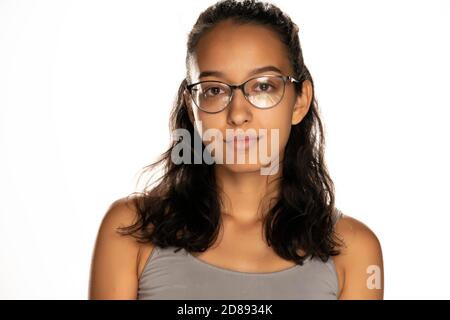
column 224, row 229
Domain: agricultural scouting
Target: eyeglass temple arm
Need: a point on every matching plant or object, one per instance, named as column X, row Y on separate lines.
column 292, row 79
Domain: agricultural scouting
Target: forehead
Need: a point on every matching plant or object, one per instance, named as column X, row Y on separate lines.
column 235, row 50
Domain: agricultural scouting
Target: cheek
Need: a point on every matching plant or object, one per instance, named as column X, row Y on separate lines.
column 205, row 122
column 277, row 120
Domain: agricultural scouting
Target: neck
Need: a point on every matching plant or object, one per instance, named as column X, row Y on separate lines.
column 246, row 195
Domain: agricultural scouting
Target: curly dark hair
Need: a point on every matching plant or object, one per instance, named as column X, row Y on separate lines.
column 183, row 208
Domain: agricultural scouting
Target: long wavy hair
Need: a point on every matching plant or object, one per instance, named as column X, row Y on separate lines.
column 182, row 208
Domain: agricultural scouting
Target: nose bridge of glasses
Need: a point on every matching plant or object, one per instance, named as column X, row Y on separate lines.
column 236, row 87
column 241, row 88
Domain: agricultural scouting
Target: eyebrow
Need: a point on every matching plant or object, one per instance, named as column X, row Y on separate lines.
column 251, row 73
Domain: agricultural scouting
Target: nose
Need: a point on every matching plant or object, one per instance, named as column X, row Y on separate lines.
column 239, row 110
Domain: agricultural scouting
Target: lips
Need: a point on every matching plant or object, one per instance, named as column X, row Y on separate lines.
column 242, row 142
column 242, row 138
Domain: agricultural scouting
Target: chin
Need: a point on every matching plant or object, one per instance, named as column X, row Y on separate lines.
column 247, row 164
column 241, row 168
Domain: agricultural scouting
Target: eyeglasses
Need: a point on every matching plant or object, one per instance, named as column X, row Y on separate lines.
column 262, row 92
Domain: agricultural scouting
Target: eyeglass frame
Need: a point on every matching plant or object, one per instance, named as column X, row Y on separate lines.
column 241, row 87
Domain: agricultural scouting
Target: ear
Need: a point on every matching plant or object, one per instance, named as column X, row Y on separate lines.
column 302, row 103
column 188, row 103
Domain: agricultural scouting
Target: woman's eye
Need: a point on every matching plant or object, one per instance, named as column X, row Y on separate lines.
column 212, row 91
column 263, row 86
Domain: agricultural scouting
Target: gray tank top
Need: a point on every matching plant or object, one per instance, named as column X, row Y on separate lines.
column 181, row 276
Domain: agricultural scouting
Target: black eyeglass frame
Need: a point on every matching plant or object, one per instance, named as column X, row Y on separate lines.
column 241, row 87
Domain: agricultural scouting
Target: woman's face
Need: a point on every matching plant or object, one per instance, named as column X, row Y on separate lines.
column 235, row 51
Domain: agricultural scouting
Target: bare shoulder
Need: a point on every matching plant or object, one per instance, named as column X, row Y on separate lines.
column 356, row 235
column 361, row 260
column 120, row 212
column 115, row 257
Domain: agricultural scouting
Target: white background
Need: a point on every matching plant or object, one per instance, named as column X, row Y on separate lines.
column 85, row 93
